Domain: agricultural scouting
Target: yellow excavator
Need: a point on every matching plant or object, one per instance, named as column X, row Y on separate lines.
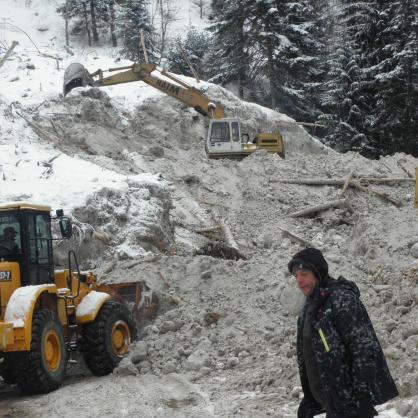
column 224, row 137
column 47, row 316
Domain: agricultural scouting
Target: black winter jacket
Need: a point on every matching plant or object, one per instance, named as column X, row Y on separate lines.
column 351, row 363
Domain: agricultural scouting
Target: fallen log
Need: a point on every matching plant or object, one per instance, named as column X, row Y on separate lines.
column 203, row 231
column 297, row 237
column 383, row 180
column 404, row 169
column 8, row 52
column 338, row 182
column 347, row 182
column 37, row 129
column 382, row 195
column 220, row 249
column 164, row 280
column 312, row 182
column 227, row 234
column 319, row 208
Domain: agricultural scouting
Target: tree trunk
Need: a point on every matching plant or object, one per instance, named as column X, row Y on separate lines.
column 8, row 52
column 164, row 24
column 112, row 23
column 93, row 21
column 319, row 208
column 201, row 9
column 67, row 38
column 86, row 21
column 271, row 74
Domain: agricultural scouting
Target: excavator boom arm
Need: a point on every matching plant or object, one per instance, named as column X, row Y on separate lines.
column 142, row 72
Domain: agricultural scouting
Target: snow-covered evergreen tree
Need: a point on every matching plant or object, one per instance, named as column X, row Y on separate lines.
column 229, row 59
column 347, row 96
column 195, row 47
column 371, row 100
column 395, row 123
column 134, row 18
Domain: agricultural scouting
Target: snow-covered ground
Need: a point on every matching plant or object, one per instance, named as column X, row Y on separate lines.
column 128, row 163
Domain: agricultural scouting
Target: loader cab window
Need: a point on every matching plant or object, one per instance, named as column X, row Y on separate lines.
column 10, row 239
column 220, row 132
column 40, row 251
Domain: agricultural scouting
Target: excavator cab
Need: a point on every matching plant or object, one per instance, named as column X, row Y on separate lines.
column 224, row 137
column 226, row 140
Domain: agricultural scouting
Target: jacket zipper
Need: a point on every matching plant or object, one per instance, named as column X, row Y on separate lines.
column 323, row 339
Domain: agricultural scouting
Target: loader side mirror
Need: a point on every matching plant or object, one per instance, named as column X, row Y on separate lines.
column 66, row 228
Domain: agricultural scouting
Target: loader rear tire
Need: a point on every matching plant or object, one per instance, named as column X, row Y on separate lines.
column 106, row 340
column 42, row 369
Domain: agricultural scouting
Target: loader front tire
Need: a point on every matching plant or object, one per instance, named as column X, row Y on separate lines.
column 106, row 340
column 42, row 368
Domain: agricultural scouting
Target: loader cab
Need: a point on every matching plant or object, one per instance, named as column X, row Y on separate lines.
column 31, row 245
column 224, row 137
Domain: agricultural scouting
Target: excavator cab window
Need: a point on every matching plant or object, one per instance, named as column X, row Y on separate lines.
column 220, row 132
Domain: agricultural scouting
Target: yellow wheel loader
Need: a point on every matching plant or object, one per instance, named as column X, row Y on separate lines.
column 224, row 138
column 47, row 316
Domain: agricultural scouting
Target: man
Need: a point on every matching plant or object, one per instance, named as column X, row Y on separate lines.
column 342, row 367
column 8, row 244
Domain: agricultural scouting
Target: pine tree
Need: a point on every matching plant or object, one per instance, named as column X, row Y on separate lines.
column 349, row 90
column 288, row 38
column 195, row 47
column 395, row 123
column 76, row 10
column 371, row 98
column 106, row 14
column 229, row 59
column 133, row 19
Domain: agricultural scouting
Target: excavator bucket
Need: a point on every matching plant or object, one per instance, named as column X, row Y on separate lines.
column 137, row 296
column 76, row 75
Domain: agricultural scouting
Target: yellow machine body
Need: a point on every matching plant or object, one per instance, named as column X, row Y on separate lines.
column 270, row 142
column 80, row 298
column 18, row 304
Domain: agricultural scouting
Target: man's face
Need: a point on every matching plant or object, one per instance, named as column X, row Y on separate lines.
column 306, row 281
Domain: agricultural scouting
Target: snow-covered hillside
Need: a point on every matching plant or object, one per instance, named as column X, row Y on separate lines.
column 128, row 164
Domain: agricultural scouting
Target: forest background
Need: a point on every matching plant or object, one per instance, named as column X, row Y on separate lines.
column 349, row 66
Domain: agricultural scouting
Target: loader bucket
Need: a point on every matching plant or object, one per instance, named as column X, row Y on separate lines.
column 137, row 296
column 76, row 75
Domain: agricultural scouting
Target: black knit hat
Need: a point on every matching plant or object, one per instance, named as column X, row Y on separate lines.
column 310, row 259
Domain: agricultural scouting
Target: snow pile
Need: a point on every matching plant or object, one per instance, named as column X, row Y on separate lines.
column 230, row 326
